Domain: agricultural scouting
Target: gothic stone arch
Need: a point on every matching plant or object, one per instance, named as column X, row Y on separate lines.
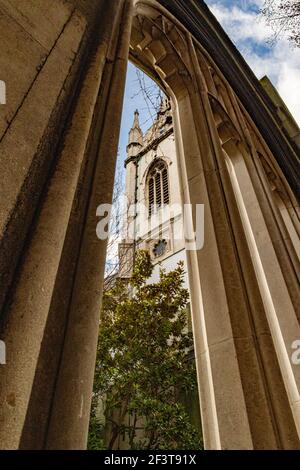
column 245, row 280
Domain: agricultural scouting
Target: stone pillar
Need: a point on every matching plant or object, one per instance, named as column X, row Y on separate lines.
column 250, row 325
column 214, row 278
column 80, row 178
column 231, row 324
column 68, row 425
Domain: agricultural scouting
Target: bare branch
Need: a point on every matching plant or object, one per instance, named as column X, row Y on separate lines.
column 283, row 17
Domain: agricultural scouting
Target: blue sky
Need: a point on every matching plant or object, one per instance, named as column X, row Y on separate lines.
column 133, row 100
column 250, row 34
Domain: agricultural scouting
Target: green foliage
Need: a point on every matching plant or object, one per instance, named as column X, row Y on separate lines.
column 96, row 430
column 143, row 359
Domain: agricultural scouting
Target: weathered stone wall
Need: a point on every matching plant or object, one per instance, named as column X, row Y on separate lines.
column 43, row 55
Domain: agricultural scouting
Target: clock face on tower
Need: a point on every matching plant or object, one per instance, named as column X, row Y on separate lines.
column 160, row 248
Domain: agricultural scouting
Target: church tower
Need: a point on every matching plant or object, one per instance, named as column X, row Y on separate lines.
column 153, row 219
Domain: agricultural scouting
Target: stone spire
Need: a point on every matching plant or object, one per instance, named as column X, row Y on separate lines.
column 135, row 141
column 136, row 122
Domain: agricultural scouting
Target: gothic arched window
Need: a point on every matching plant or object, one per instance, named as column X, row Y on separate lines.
column 158, row 186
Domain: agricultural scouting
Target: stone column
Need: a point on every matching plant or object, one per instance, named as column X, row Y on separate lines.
column 69, row 420
column 247, row 317
column 228, row 357
column 281, row 311
column 83, row 169
column 225, row 421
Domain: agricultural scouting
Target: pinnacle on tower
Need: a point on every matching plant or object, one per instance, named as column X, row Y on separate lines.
column 136, row 122
column 135, row 141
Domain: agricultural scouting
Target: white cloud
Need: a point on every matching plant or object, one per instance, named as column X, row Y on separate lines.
column 281, row 62
column 289, row 89
column 239, row 24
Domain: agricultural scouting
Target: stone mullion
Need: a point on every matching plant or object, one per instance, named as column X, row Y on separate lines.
column 274, row 222
column 28, row 312
column 210, row 84
column 35, row 427
column 275, row 293
column 205, row 385
column 261, row 377
column 270, row 210
column 68, row 426
column 35, row 430
column 277, row 401
column 293, row 204
column 254, row 385
column 259, row 386
column 219, row 252
column 270, row 419
column 278, row 232
column 285, row 251
column 251, row 145
column 262, row 181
